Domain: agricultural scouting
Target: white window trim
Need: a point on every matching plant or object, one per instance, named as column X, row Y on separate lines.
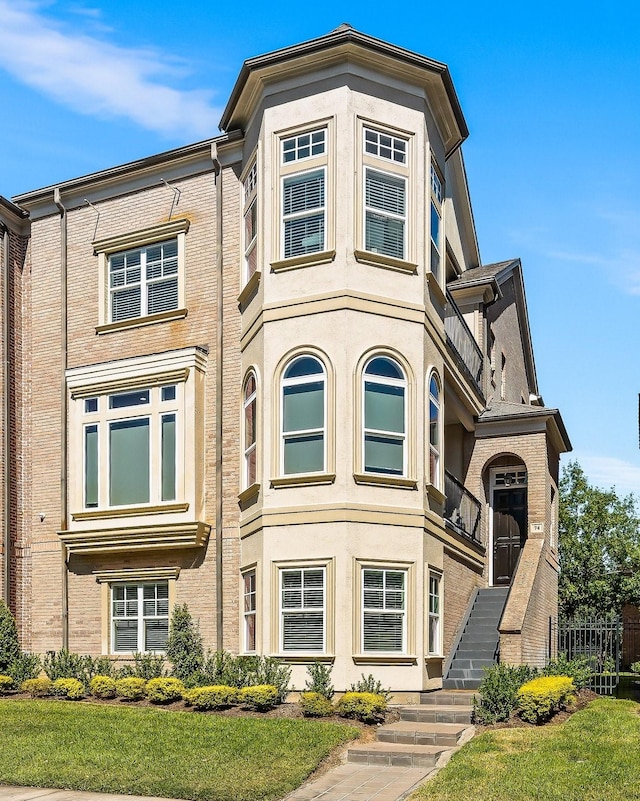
column 435, row 481
column 297, row 381
column 250, row 199
column 251, row 448
column 437, row 576
column 140, row 617
column 382, row 213
column 384, row 569
column 250, row 612
column 436, row 201
column 284, row 218
column 282, row 612
column 402, row 383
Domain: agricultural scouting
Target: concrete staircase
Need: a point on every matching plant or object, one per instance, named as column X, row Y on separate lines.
column 478, row 644
column 422, row 735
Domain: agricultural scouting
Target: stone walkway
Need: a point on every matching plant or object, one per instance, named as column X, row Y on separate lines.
column 353, row 782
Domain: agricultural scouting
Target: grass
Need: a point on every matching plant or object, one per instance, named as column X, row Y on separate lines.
column 154, row 752
column 593, row 756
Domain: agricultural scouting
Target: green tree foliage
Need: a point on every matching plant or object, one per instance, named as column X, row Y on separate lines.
column 9, row 644
column 184, row 648
column 599, row 547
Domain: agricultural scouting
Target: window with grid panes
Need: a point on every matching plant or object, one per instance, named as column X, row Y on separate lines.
column 249, row 588
column 435, row 429
column 143, row 281
column 384, row 610
column 434, row 614
column 250, row 222
column 302, row 609
column 139, row 617
column 250, row 407
column 436, row 224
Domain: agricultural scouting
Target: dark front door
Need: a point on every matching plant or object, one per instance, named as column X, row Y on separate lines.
column 509, row 531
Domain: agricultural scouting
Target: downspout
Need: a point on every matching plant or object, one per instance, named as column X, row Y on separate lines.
column 219, row 390
column 63, row 413
column 6, row 449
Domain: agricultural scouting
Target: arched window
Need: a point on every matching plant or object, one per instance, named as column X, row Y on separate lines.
column 303, row 416
column 435, row 434
column 384, row 415
column 249, row 420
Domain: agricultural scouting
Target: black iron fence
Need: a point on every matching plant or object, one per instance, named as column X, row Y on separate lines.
column 597, row 640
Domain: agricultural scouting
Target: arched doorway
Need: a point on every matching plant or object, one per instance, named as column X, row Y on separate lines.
column 508, row 519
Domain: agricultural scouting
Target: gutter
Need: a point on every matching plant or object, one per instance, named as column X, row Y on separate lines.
column 63, row 414
column 6, row 449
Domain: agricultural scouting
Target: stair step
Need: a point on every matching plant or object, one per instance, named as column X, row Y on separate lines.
column 471, row 664
column 455, row 673
column 440, row 713
column 398, row 754
column 461, row 684
column 411, row 733
column 442, row 697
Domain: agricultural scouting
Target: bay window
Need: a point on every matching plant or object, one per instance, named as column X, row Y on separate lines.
column 384, row 416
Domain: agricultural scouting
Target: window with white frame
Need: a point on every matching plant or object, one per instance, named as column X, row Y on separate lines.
column 249, row 592
column 303, row 414
column 384, row 417
column 250, row 216
column 303, row 609
column 303, row 190
column 143, row 281
column 249, row 424
column 435, row 629
column 385, row 159
column 436, row 224
column 139, row 617
column 435, row 430
column 131, row 447
column 384, row 610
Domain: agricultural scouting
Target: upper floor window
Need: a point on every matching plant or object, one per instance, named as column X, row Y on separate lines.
column 435, row 431
column 436, row 224
column 249, row 424
column 303, row 416
column 143, row 281
column 384, row 415
column 385, row 146
column 303, row 213
column 304, row 146
column 250, row 216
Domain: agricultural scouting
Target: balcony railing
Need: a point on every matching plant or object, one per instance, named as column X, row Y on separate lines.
column 460, row 338
column 462, row 509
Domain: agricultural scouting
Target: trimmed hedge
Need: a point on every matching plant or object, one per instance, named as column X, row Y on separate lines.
column 73, row 689
column 103, row 687
column 131, row 688
column 367, row 707
column 315, row 705
column 6, row 683
column 164, row 690
column 37, row 688
column 539, row 699
column 260, row 697
column 216, row 696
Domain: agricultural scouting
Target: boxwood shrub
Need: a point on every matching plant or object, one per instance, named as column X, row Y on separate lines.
column 37, row 688
column 131, row 688
column 6, row 683
column 315, row 705
column 539, row 699
column 164, row 690
column 367, row 707
column 216, row 696
column 103, row 687
column 73, row 689
column 261, row 697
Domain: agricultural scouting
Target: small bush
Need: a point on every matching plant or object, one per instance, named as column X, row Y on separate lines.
column 367, row 707
column 368, row 684
column 320, row 680
column 68, row 688
column 103, row 666
column 65, row 664
column 6, row 683
column 131, row 688
column 184, row 647
column 37, row 688
column 215, row 696
column 634, row 668
column 269, row 670
column 164, row 690
column 262, row 697
column 541, row 698
column 149, row 666
column 315, row 705
column 103, row 687
column 9, row 643
column 499, row 691
column 579, row 669
column 23, row 667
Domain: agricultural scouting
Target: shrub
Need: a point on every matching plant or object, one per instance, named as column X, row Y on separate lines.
column 164, row 690
column 269, row 670
column 184, row 646
column 6, row 683
column 23, row 667
column 634, row 668
column 220, row 667
column 103, row 666
column 367, row 707
column 103, row 687
column 37, row 688
column 130, row 688
column 148, row 666
column 320, row 680
column 579, row 669
column 216, row 696
column 368, row 684
column 260, row 697
column 68, row 688
column 67, row 665
column 315, row 705
column 9, row 644
column 499, row 690
column 541, row 698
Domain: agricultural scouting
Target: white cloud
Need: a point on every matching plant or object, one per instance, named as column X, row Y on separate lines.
column 607, row 472
column 96, row 77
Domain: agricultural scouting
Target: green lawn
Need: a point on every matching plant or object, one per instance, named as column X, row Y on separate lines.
column 593, row 756
column 145, row 751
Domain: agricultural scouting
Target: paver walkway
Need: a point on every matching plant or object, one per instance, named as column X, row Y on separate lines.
column 353, row 782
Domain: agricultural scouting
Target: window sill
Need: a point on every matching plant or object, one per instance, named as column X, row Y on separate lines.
column 302, row 479
column 375, row 480
column 249, row 493
column 131, row 511
column 436, row 494
column 138, row 322
column 432, row 659
column 305, row 659
column 388, row 262
column 436, row 289
column 309, row 259
column 384, row 659
column 249, row 289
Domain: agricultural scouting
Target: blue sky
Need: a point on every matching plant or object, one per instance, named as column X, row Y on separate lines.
column 551, row 95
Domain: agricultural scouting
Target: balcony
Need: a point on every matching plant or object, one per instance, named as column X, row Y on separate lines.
column 462, row 509
column 461, row 341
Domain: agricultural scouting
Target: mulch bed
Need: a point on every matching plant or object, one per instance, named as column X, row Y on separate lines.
column 583, row 698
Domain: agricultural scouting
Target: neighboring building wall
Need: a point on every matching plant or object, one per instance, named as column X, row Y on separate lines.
column 460, row 581
column 503, row 321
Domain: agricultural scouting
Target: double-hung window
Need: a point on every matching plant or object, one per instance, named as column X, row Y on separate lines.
column 304, row 193
column 249, row 593
column 130, row 447
column 385, row 193
column 435, row 431
column 250, row 187
column 249, row 424
column 303, row 409
column 143, row 281
column 303, row 609
column 436, row 224
column 384, row 610
column 435, row 634
column 139, row 617
column 384, row 415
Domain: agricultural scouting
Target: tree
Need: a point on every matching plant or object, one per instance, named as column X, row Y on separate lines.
column 599, row 547
column 184, row 647
column 9, row 644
